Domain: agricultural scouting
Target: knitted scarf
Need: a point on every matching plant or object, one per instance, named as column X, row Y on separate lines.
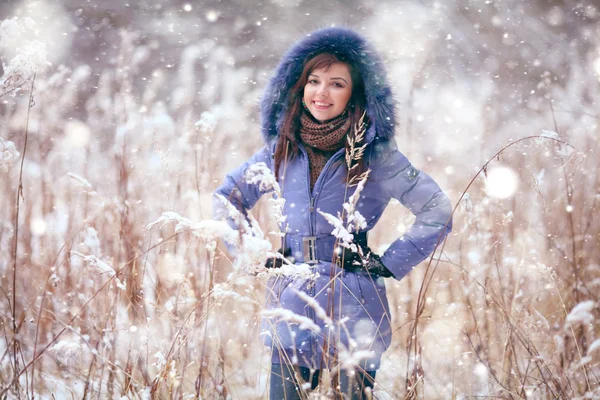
column 322, row 140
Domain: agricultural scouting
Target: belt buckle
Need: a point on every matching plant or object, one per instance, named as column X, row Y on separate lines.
column 309, row 249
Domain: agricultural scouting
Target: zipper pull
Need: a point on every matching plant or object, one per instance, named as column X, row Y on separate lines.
column 312, row 204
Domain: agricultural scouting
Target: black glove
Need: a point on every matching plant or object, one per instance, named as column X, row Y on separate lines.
column 371, row 262
column 273, row 262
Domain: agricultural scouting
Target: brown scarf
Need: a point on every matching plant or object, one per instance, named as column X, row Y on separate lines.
column 322, row 140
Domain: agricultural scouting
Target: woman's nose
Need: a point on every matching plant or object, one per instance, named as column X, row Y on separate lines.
column 322, row 91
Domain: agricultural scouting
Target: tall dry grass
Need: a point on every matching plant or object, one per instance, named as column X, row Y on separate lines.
column 96, row 304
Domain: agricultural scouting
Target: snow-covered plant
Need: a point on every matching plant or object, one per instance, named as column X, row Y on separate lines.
column 102, row 266
column 221, row 291
column 561, row 149
column 354, row 219
column 161, row 360
column 349, row 360
column 249, row 245
column 259, row 174
column 351, row 220
column 206, row 124
column 82, row 181
column 30, row 57
column 208, row 230
column 66, row 350
column 548, row 134
column 91, row 241
column 232, row 214
column 299, row 271
column 252, row 254
column 314, row 304
column 595, row 346
column 282, row 314
column 356, row 151
column 8, row 154
column 166, row 368
column 581, row 313
column 251, row 248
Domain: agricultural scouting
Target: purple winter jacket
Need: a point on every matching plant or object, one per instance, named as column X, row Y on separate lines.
column 358, row 299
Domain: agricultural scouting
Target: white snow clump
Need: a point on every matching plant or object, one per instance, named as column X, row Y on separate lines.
column 66, row 350
column 19, row 37
column 582, row 313
column 351, row 221
column 103, row 267
column 207, row 123
column 8, row 154
column 209, row 230
column 259, row 174
column 281, row 314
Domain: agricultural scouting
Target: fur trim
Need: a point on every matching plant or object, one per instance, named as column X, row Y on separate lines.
column 344, row 41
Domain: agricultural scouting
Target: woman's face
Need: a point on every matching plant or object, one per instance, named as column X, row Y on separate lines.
column 328, row 91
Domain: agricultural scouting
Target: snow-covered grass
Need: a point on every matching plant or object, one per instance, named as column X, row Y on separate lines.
column 123, row 290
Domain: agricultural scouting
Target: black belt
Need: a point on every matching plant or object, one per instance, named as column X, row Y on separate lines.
column 312, row 249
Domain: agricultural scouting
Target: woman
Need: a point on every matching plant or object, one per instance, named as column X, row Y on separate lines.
column 324, row 88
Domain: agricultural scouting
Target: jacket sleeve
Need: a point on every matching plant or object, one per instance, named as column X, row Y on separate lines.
column 418, row 192
column 241, row 194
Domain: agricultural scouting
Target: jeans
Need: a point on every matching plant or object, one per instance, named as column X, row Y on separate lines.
column 284, row 384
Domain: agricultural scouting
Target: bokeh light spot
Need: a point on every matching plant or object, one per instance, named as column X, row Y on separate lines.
column 77, row 133
column 38, row 226
column 502, row 182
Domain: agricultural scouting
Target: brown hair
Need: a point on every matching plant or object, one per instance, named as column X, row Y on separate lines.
column 289, row 135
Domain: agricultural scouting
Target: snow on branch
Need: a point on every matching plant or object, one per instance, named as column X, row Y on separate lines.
column 8, row 154
column 20, row 37
column 282, row 314
column 350, row 359
column 102, row 266
column 260, row 174
column 581, row 313
column 314, row 304
column 344, row 225
column 209, row 230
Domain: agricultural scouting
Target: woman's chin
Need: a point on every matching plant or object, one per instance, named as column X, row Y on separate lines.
column 323, row 115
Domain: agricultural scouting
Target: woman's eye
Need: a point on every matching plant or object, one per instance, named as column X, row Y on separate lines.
column 337, row 84
column 313, row 81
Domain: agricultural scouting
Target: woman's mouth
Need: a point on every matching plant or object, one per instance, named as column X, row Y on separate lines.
column 321, row 106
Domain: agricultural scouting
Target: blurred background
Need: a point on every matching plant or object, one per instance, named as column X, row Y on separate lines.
column 139, row 108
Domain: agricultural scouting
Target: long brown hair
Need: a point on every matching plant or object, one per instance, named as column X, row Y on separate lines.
column 289, row 135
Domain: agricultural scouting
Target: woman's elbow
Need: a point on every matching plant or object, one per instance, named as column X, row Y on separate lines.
column 446, row 214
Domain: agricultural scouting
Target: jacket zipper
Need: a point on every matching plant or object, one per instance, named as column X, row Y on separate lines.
column 312, row 214
column 362, row 298
column 310, row 196
column 311, row 211
column 328, row 165
column 312, row 217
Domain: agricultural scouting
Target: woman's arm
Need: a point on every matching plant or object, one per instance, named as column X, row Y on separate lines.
column 418, row 192
column 241, row 194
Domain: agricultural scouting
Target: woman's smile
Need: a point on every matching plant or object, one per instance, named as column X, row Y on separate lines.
column 321, row 105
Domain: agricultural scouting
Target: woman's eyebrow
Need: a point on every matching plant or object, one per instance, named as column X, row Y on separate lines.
column 334, row 78
column 339, row 78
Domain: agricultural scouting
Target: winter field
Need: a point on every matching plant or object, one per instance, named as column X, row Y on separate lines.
column 119, row 121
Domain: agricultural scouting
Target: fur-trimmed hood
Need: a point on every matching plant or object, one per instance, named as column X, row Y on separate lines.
column 349, row 44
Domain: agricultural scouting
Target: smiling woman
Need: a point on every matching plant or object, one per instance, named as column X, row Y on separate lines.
column 328, row 118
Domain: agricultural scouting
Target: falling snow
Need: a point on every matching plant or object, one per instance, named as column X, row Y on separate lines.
column 126, row 286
